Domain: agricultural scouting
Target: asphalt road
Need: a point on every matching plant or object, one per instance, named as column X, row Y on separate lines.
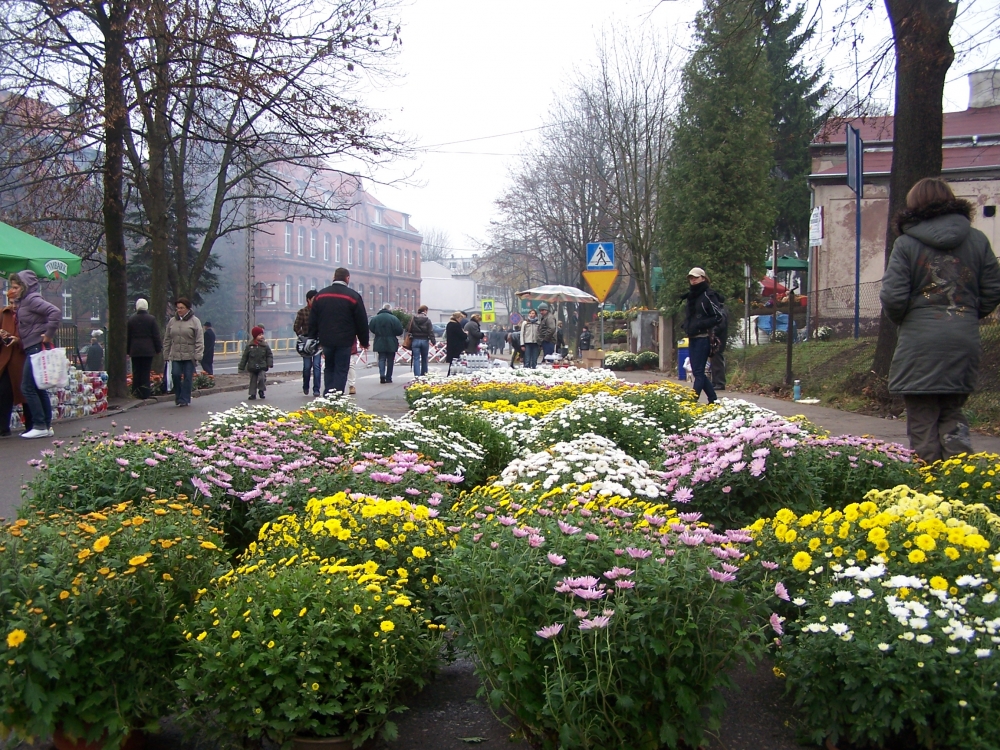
column 15, row 452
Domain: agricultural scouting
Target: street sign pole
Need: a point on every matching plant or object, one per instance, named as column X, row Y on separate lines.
column 855, row 181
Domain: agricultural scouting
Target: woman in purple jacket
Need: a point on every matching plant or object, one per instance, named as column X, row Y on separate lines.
column 37, row 323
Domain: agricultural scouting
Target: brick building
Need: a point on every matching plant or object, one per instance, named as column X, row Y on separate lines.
column 377, row 244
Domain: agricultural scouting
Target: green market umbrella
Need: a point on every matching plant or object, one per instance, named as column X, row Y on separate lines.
column 20, row 251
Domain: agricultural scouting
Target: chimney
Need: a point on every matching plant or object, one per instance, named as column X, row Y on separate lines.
column 984, row 89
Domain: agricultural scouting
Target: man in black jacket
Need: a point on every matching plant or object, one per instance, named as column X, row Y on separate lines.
column 337, row 317
column 702, row 317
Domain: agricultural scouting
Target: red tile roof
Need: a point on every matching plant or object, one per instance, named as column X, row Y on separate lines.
column 978, row 121
column 954, row 159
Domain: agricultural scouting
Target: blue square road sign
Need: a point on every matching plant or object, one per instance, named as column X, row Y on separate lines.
column 600, row 256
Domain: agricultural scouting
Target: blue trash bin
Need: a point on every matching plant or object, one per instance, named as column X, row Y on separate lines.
column 682, row 354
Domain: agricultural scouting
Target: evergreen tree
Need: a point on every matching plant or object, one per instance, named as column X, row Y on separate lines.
column 718, row 206
column 797, row 94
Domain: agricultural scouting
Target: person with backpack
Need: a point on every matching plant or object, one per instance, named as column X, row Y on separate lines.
column 701, row 319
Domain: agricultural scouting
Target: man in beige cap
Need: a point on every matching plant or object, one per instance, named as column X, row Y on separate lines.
column 702, row 316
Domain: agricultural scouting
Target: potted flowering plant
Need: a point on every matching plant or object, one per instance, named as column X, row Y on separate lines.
column 902, row 590
column 617, row 619
column 88, row 608
column 309, row 655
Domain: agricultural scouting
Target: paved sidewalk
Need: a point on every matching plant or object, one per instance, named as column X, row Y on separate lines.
column 836, row 421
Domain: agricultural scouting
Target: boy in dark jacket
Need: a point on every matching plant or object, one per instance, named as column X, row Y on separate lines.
column 257, row 359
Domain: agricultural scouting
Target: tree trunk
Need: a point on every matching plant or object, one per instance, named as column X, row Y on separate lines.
column 113, row 28
column 920, row 30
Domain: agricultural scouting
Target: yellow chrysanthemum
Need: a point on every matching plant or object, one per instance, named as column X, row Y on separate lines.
column 939, row 584
column 925, row 542
column 917, row 556
column 387, row 626
column 15, row 638
column 802, row 561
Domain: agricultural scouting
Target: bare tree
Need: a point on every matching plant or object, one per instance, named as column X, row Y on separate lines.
column 228, row 113
column 435, row 245
column 632, row 92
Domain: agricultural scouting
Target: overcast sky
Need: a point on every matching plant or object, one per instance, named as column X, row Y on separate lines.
column 473, row 70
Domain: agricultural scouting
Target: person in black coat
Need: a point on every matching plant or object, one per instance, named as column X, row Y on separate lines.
column 474, row 334
column 337, row 318
column 455, row 338
column 208, row 358
column 142, row 344
column 703, row 316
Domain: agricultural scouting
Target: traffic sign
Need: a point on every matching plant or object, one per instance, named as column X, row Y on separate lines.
column 488, row 311
column 600, row 256
column 601, row 282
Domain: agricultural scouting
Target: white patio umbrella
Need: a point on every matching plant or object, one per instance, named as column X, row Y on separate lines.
column 553, row 293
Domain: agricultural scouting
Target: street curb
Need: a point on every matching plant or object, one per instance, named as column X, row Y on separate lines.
column 132, row 405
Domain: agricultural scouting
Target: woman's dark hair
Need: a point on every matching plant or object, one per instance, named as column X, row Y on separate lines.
column 422, row 309
column 183, row 301
column 928, row 191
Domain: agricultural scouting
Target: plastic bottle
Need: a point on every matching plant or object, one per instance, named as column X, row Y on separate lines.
column 796, row 391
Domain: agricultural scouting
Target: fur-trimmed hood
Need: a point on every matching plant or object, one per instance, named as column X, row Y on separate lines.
column 907, row 218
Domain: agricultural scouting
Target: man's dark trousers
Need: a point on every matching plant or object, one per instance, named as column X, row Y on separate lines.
column 338, row 363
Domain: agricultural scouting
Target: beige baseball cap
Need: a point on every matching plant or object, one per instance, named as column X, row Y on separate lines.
column 697, row 273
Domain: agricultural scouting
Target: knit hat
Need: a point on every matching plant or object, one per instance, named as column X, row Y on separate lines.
column 256, row 331
column 141, row 304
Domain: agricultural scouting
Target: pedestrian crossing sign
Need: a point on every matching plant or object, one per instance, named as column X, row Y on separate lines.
column 488, row 310
column 600, row 256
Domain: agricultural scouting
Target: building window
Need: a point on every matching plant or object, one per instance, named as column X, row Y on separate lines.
column 315, row 281
column 288, row 291
column 381, row 257
column 378, row 216
column 302, row 290
column 371, row 255
column 288, row 239
column 371, row 297
column 302, row 241
column 338, row 256
column 406, row 300
column 399, row 261
column 381, row 296
column 95, row 309
column 313, row 239
column 67, row 311
column 326, row 247
column 361, row 291
column 407, row 261
column 350, row 252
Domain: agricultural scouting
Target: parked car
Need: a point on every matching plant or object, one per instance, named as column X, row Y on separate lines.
column 439, row 329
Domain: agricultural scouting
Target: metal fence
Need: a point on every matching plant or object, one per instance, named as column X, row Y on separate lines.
column 831, row 311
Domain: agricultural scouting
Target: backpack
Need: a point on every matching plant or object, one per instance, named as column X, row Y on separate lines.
column 717, row 336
